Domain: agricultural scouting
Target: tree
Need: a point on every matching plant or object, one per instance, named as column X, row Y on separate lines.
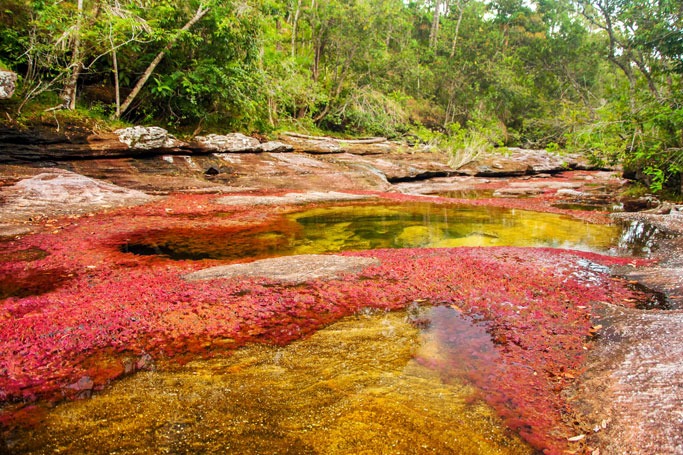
column 199, row 13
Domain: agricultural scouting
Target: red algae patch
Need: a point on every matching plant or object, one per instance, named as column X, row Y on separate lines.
column 122, row 313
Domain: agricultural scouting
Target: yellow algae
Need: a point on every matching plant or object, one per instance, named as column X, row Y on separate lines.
column 352, row 388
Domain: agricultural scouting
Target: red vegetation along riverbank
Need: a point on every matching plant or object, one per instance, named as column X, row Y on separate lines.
column 96, row 313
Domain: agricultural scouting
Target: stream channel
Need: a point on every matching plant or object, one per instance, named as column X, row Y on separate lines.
column 372, row 383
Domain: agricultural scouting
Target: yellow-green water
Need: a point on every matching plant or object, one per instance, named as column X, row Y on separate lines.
column 371, row 226
column 352, row 388
column 363, row 227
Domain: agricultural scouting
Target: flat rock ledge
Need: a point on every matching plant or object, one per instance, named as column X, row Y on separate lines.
column 293, row 198
column 56, row 192
column 289, row 269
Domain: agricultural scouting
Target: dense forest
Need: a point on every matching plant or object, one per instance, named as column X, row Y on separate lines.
column 598, row 76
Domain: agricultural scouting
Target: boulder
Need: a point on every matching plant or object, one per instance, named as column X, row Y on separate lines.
column 8, row 83
column 228, row 143
column 274, row 147
column 147, row 138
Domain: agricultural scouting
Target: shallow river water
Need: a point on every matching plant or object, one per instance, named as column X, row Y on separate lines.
column 372, row 226
column 363, row 385
column 367, row 384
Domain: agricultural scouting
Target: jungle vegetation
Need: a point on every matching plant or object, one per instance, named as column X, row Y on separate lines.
column 598, row 76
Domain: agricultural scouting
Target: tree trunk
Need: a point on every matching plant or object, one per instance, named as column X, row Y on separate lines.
column 340, row 86
column 295, row 23
column 115, row 69
column 201, row 12
column 69, row 90
column 434, row 33
column 461, row 10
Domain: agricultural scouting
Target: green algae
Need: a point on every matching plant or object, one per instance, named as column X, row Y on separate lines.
column 362, row 385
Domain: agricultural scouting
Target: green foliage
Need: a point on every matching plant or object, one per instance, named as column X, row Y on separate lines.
column 564, row 74
column 465, row 145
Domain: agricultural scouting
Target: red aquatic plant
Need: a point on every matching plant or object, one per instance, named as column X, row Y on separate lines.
column 120, row 313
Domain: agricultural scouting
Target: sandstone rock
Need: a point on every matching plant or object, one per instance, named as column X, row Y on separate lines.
column 327, row 145
column 147, row 138
column 8, row 81
column 401, row 167
column 58, row 192
column 635, row 364
column 641, row 203
column 570, row 193
column 44, row 143
column 516, row 162
column 228, row 143
column 145, row 362
column 313, row 146
column 289, row 269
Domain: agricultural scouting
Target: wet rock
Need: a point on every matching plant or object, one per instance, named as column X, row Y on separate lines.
column 290, row 269
column 12, row 230
column 8, row 81
column 517, row 192
column 228, row 143
column 128, row 366
column 634, row 380
column 147, row 138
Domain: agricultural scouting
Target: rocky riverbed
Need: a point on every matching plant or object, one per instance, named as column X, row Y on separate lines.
column 627, row 394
